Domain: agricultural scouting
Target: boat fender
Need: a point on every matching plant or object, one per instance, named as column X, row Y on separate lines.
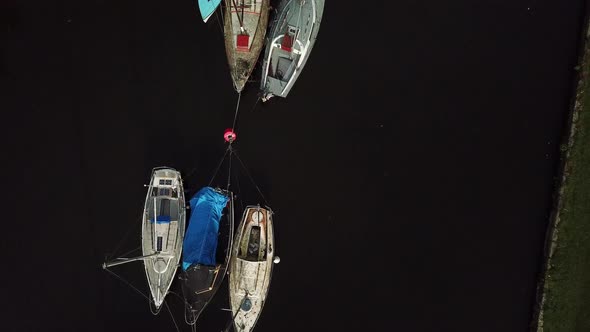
column 229, row 135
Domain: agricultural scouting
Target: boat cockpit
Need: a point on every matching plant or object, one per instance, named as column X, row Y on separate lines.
column 255, row 250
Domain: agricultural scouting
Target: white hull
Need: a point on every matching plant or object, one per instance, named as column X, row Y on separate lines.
column 251, row 267
column 163, row 227
column 289, row 44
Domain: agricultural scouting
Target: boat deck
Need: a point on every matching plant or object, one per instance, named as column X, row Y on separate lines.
column 251, row 267
column 242, row 52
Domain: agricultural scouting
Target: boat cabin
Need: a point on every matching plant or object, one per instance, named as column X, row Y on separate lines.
column 162, row 214
column 253, row 244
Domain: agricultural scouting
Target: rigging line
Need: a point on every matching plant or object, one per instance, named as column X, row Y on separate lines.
column 233, row 127
column 256, row 103
column 221, row 10
column 218, row 22
column 243, row 6
column 231, row 151
column 128, row 284
column 118, row 247
column 239, row 192
column 171, row 316
column 218, row 166
column 251, row 179
column 130, row 251
column 240, row 19
column 186, row 177
column 177, row 295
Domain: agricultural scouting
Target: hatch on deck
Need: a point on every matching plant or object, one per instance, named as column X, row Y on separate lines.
column 242, row 42
column 287, row 43
column 290, row 35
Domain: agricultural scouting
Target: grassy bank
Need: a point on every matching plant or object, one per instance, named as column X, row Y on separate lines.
column 566, row 290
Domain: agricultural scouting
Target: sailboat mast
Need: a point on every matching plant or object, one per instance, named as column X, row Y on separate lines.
column 240, row 18
column 155, row 225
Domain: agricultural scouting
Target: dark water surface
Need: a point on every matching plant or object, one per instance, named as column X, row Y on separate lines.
column 411, row 167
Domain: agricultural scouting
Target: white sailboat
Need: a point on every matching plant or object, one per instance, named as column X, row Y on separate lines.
column 251, row 267
column 163, row 226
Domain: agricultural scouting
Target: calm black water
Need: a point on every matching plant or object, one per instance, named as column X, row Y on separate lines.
column 411, row 167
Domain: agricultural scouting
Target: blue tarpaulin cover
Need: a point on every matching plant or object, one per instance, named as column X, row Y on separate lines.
column 200, row 240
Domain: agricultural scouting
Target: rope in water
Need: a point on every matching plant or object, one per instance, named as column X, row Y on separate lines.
column 233, row 127
column 251, row 179
column 171, row 316
column 128, row 284
column 218, row 166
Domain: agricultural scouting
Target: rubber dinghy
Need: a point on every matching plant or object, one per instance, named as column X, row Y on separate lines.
column 206, row 253
column 294, row 30
column 244, row 29
column 251, row 267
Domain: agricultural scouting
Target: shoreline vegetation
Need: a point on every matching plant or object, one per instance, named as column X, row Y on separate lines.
column 565, row 283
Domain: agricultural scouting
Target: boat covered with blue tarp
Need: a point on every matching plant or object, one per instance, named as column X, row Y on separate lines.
column 206, row 248
column 203, row 227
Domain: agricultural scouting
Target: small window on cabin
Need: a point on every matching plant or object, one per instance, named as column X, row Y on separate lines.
column 169, row 182
column 162, row 181
column 159, row 244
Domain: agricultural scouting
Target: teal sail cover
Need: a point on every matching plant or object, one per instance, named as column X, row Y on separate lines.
column 207, row 8
column 200, row 240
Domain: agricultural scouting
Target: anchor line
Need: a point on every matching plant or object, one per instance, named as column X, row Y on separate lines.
column 171, row 316
column 221, row 10
column 130, row 251
column 256, row 103
column 251, row 178
column 218, row 21
column 237, row 110
column 231, row 151
column 219, row 166
column 118, row 247
column 128, row 284
column 143, row 295
column 239, row 192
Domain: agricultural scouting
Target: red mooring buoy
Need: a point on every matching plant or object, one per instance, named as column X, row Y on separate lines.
column 229, row 135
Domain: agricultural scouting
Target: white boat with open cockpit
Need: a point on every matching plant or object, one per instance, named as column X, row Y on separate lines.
column 162, row 233
column 294, row 30
column 251, row 266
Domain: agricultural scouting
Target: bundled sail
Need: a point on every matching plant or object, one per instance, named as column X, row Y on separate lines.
column 251, row 267
column 207, row 8
column 244, row 28
column 293, row 33
column 206, row 253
